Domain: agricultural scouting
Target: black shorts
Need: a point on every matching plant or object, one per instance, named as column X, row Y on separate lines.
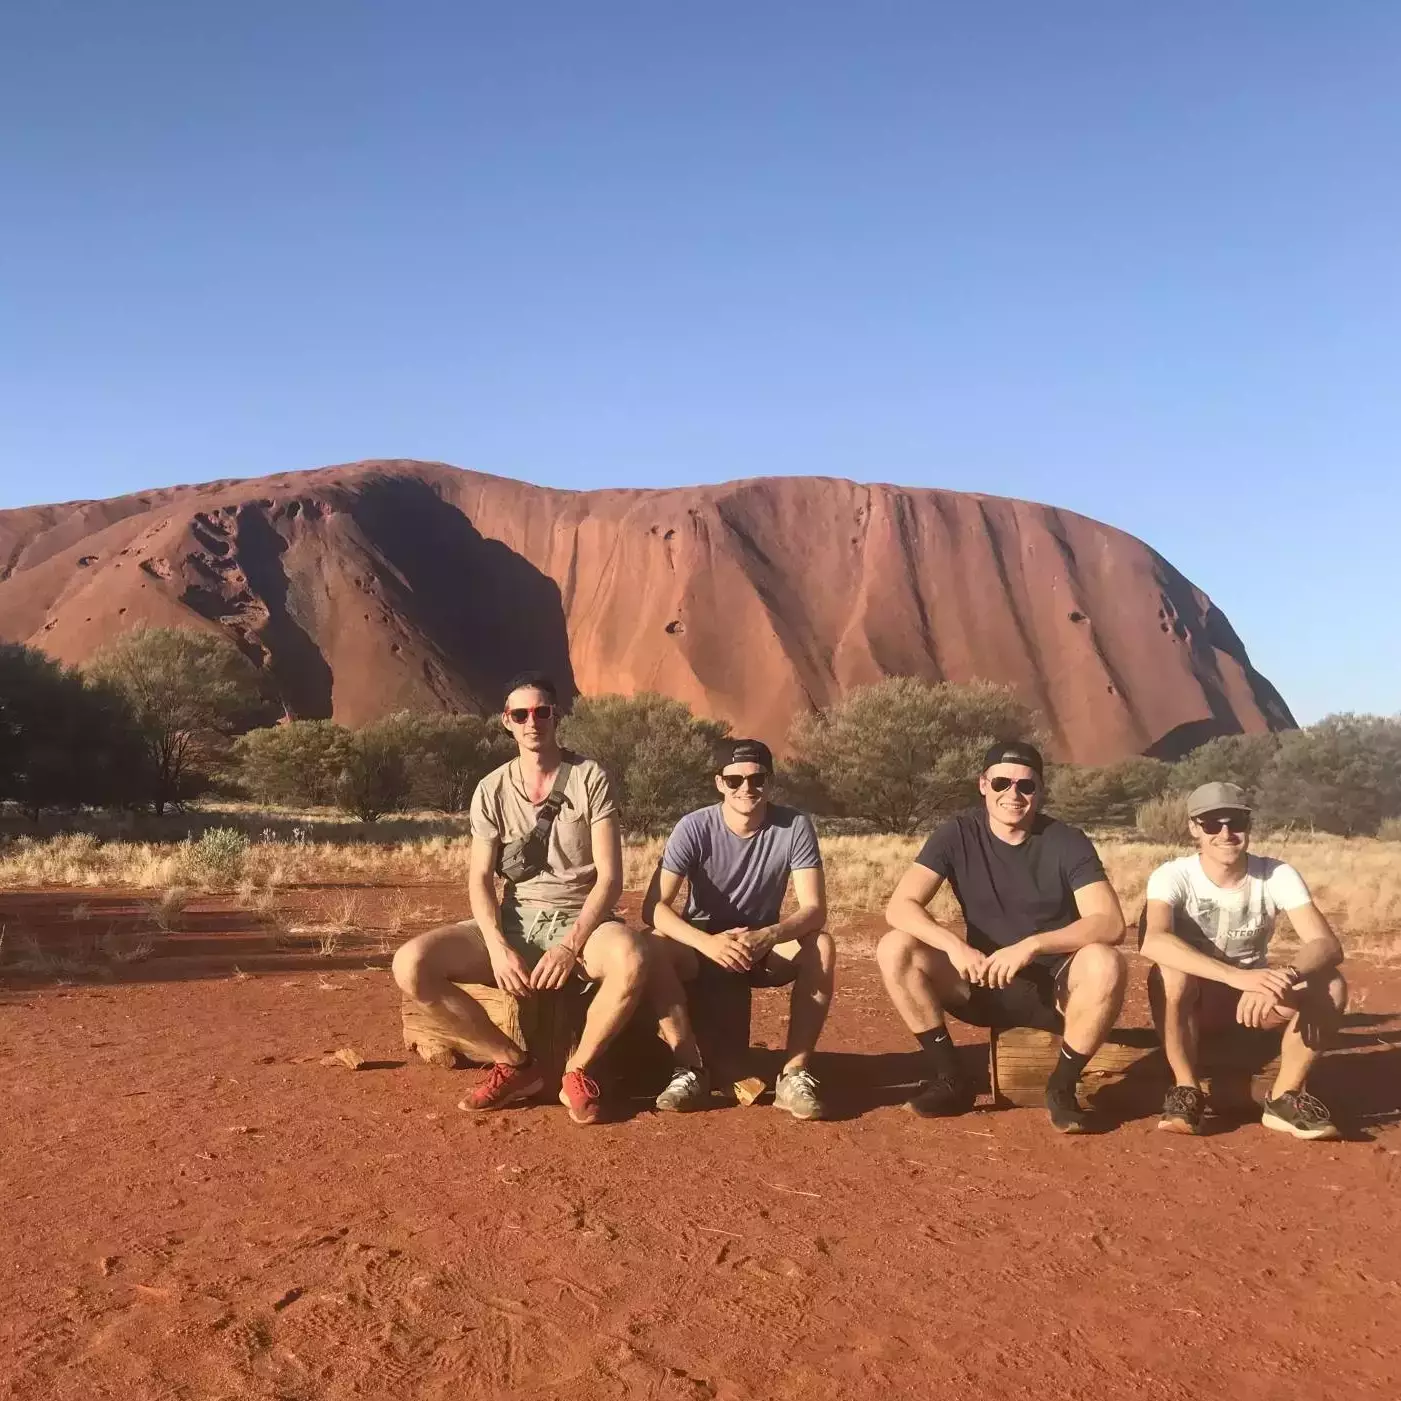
column 1032, row 998
column 769, row 972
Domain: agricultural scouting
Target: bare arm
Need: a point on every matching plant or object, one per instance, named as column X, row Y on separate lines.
column 1167, row 950
column 1101, row 922
column 810, row 891
column 907, row 910
column 481, row 889
column 608, row 881
column 1320, row 949
column 659, row 910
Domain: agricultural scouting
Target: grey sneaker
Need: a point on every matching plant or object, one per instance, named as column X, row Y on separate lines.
column 798, row 1092
column 688, row 1088
column 1300, row 1114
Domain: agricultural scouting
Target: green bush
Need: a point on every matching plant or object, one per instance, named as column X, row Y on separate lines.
column 1341, row 775
column 1239, row 759
column 1390, row 829
column 660, row 757
column 901, row 754
column 217, row 858
column 297, row 764
column 376, row 778
column 1164, row 819
column 1107, row 794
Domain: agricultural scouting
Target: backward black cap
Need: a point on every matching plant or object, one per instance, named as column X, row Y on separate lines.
column 743, row 751
column 1013, row 751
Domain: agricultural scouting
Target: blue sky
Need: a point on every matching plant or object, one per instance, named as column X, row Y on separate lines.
column 1143, row 261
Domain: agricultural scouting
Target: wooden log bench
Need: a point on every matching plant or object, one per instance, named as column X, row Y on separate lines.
column 1130, row 1070
column 548, row 1024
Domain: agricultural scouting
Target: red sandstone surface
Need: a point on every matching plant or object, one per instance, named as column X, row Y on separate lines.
column 385, row 585
column 196, row 1207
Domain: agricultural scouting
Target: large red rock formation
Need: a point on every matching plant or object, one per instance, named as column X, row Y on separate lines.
column 384, row 585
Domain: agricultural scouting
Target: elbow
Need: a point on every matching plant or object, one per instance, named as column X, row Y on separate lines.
column 1115, row 930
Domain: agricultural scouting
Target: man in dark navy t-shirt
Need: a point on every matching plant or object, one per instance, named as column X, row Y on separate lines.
column 1042, row 923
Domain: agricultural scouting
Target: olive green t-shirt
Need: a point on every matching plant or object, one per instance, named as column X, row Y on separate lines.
column 502, row 812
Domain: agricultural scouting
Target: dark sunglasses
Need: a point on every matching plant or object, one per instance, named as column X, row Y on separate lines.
column 518, row 715
column 1238, row 823
column 1025, row 786
column 756, row 781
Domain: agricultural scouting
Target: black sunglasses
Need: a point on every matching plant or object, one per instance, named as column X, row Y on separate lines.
column 756, row 781
column 1025, row 786
column 1238, row 822
column 519, row 714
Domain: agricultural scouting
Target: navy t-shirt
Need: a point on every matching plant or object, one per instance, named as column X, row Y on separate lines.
column 1008, row 892
column 739, row 882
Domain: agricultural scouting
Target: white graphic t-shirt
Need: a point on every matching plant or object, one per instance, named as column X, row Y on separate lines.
column 1233, row 924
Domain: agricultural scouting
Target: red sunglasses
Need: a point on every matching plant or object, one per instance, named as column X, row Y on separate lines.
column 519, row 714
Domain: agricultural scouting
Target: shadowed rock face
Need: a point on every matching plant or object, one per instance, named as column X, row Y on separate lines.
column 387, row 585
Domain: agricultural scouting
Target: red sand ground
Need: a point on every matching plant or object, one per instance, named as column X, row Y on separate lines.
column 196, row 1208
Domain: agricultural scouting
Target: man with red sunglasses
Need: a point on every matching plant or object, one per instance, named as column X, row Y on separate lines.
column 1040, row 950
column 737, row 858
column 548, row 820
column 1206, row 930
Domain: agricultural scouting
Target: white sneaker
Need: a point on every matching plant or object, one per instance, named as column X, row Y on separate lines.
column 688, row 1088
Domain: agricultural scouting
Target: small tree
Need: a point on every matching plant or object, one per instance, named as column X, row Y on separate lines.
column 902, row 753
column 1341, row 775
column 63, row 742
column 375, row 779
column 190, row 693
column 1110, row 794
column 299, row 762
column 659, row 755
column 450, row 754
column 1239, row 759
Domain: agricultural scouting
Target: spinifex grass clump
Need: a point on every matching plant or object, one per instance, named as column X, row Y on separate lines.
column 216, row 859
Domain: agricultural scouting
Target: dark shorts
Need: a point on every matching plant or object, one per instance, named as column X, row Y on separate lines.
column 772, row 972
column 1033, row 998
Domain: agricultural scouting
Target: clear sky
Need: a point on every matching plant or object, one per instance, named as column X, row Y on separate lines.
column 1140, row 260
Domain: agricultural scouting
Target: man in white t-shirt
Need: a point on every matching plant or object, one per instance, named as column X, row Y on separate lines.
column 1207, row 928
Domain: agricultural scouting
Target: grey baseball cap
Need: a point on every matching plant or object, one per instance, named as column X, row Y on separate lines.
column 1216, row 797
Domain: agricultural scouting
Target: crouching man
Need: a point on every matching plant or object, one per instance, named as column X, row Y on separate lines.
column 737, row 858
column 1043, row 923
column 1207, row 928
column 548, row 823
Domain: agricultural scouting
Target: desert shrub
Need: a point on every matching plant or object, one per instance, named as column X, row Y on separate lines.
column 1239, row 759
column 1342, row 775
column 1163, row 819
column 448, row 755
column 902, row 753
column 217, row 858
column 1108, row 793
column 660, row 756
column 64, row 741
column 1390, row 829
column 189, row 693
column 298, row 763
column 376, row 778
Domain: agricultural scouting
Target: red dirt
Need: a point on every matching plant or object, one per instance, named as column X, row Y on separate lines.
column 196, row 1207
column 386, row 585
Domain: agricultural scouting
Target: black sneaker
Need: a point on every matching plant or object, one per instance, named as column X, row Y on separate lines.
column 1182, row 1110
column 1064, row 1109
column 1299, row 1113
column 941, row 1097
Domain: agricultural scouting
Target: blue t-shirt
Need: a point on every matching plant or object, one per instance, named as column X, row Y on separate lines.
column 739, row 882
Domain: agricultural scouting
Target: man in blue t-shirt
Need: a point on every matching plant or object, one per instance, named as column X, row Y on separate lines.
column 1040, row 949
column 737, row 858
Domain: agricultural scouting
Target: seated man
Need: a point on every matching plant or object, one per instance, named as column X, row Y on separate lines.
column 737, row 858
column 555, row 922
column 1207, row 926
column 1042, row 921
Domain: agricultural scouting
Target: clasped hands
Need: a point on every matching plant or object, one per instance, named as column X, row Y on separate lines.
column 553, row 970
column 739, row 949
column 994, row 970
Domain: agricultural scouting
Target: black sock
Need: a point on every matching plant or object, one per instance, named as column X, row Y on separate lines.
column 1069, row 1064
column 938, row 1046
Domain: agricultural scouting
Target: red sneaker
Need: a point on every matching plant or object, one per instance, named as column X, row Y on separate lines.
column 579, row 1095
column 506, row 1084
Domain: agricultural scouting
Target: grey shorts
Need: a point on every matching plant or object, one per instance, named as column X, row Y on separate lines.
column 531, row 929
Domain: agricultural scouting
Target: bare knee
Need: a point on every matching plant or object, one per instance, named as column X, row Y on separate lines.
column 1100, row 971
column 626, row 959
column 821, row 951
column 411, row 972
column 895, row 954
column 1177, row 988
